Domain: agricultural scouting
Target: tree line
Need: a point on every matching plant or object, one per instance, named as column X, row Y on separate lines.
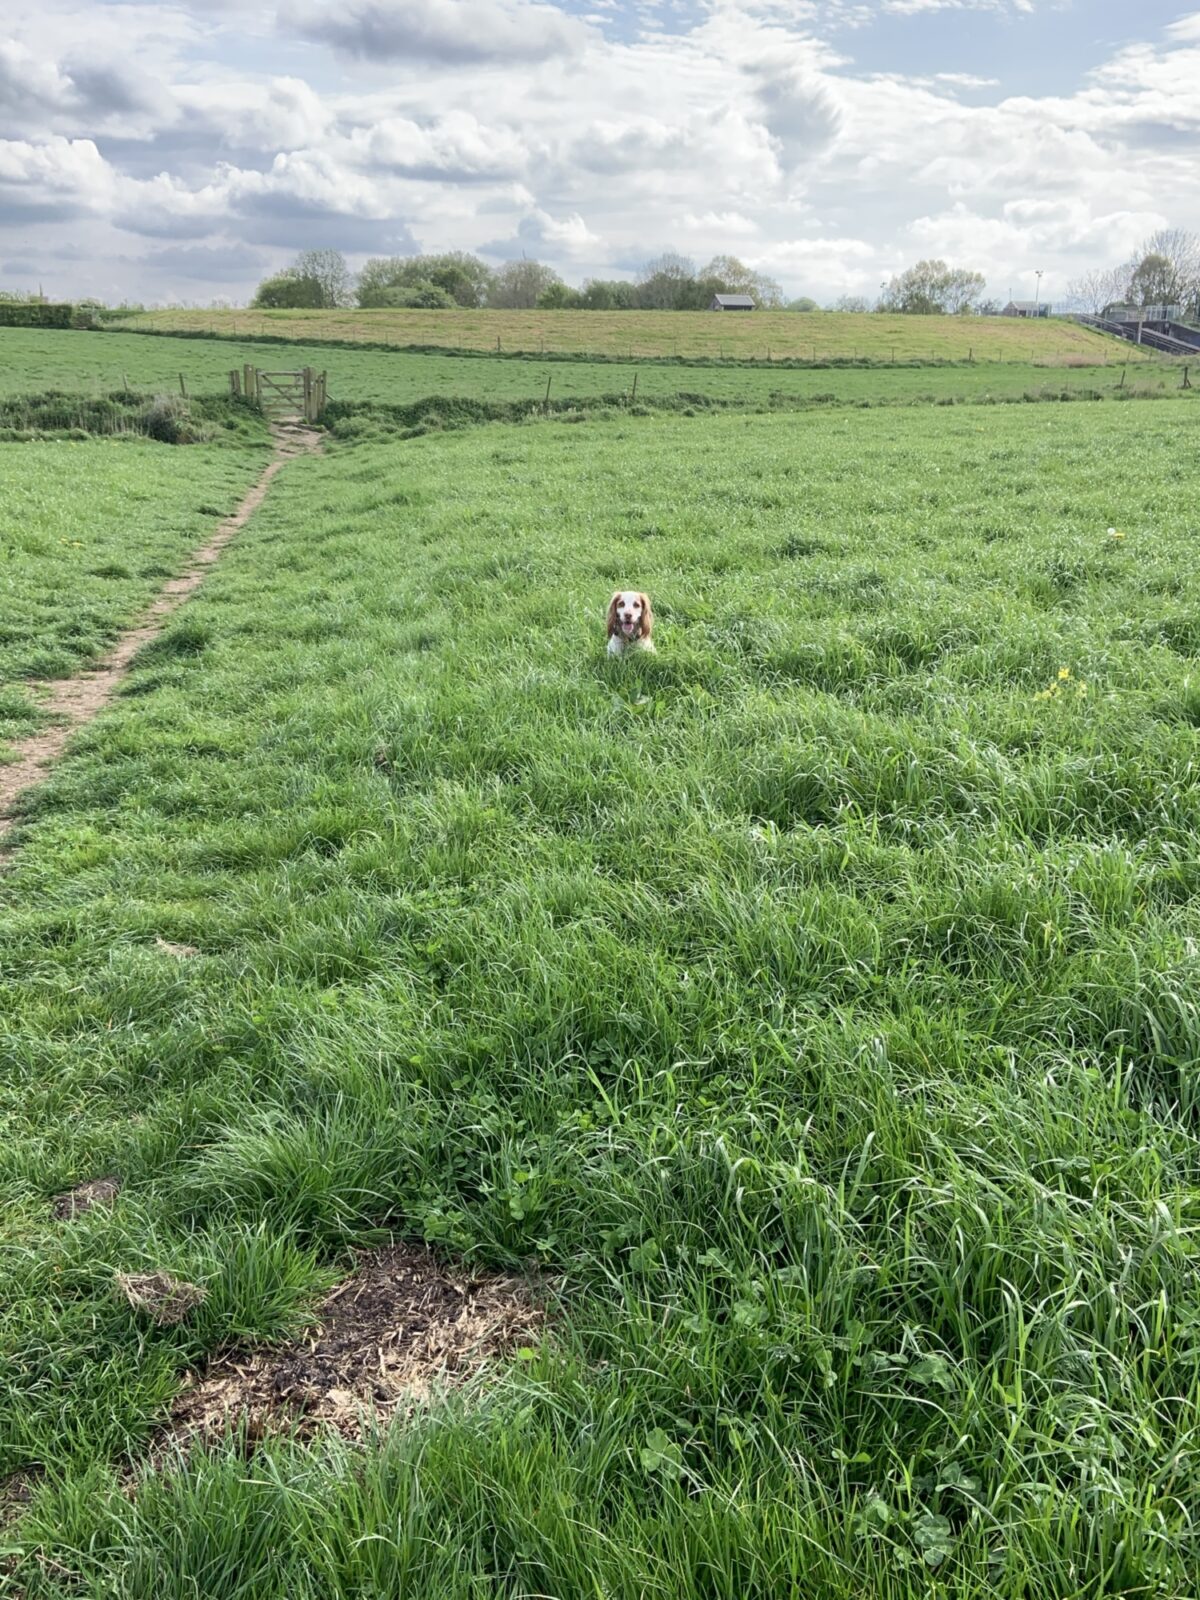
column 1164, row 272
column 320, row 279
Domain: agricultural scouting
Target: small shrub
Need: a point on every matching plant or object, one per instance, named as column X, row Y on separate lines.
column 163, row 419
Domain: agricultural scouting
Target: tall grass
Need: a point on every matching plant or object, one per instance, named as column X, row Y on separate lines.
column 814, row 1002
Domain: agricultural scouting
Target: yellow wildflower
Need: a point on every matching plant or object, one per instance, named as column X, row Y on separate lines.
column 1063, row 674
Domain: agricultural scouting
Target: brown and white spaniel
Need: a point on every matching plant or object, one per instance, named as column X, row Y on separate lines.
column 630, row 622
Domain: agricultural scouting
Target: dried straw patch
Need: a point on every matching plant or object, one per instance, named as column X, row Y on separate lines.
column 402, row 1327
column 164, row 1299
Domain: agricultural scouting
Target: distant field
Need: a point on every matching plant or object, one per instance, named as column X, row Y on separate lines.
column 88, row 533
column 814, row 1002
column 34, row 360
column 758, row 336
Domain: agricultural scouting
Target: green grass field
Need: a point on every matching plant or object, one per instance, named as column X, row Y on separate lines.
column 763, row 335
column 98, row 363
column 89, row 530
column 815, row 1002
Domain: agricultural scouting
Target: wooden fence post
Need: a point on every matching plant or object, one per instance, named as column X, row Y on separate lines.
column 235, row 381
column 306, row 379
column 182, row 387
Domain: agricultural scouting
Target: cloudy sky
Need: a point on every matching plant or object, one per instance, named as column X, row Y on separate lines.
column 178, row 151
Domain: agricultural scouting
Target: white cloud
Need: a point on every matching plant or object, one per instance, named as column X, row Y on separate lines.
column 456, row 146
column 717, row 224
column 1186, row 28
column 283, row 113
column 965, row 80
column 447, row 31
column 511, row 125
column 53, row 175
column 571, row 234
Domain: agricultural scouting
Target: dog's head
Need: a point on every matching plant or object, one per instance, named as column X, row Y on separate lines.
column 629, row 615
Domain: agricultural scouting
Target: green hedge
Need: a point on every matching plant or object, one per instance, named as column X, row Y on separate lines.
column 34, row 314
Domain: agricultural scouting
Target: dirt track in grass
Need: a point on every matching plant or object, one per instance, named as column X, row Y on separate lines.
column 71, row 703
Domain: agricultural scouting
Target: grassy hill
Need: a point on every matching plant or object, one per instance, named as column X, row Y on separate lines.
column 758, row 336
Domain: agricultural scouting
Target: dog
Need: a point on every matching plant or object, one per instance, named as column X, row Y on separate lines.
column 630, row 622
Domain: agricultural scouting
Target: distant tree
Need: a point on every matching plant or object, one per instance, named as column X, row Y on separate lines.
column 735, row 277
column 667, row 283
column 1153, row 282
column 931, row 288
column 559, row 296
column 380, row 277
column 1100, row 287
column 464, row 278
column 989, row 308
column 519, row 285
column 611, row 294
column 851, row 302
column 329, row 269
column 804, row 303
column 597, row 295
column 767, row 292
column 1166, row 270
column 962, row 289
column 419, row 296
column 288, row 291
column 697, row 293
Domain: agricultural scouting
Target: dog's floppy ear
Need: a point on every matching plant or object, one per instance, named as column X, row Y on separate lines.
column 647, row 615
column 612, row 613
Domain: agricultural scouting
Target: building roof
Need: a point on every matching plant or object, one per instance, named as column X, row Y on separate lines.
column 733, row 299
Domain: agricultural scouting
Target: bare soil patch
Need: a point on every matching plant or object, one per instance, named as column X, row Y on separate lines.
column 16, row 1491
column 403, row 1326
column 73, row 702
column 95, row 1192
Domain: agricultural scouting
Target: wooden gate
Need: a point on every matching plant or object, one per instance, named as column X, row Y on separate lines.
column 282, row 394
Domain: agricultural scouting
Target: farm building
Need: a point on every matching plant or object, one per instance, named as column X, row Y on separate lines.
column 731, row 302
column 1026, row 308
